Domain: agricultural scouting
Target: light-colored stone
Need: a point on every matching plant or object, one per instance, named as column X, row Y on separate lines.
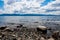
column 19, row 38
column 42, row 27
column 42, row 38
column 51, row 39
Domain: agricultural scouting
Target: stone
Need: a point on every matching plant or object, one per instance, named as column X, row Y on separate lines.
column 19, row 26
column 42, row 38
column 42, row 29
column 19, row 38
column 51, row 39
column 36, row 22
column 2, row 28
column 8, row 29
column 49, row 29
column 14, row 39
column 14, row 35
column 55, row 34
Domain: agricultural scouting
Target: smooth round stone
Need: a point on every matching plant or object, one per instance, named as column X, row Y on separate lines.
column 42, row 38
column 42, row 27
column 51, row 39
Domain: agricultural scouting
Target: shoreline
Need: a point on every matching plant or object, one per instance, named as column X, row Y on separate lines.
column 21, row 32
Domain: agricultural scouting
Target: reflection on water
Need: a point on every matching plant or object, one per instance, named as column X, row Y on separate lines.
column 27, row 19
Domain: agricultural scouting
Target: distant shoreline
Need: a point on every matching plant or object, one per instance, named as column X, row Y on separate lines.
column 27, row 15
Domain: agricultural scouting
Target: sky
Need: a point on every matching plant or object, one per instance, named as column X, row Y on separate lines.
column 30, row 7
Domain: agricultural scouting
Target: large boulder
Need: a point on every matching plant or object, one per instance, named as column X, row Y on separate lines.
column 42, row 29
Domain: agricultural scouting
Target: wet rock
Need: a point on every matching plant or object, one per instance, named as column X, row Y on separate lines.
column 12, row 23
column 51, row 39
column 42, row 29
column 14, row 39
column 20, row 25
column 1, row 35
column 42, row 38
column 36, row 22
column 15, row 29
column 49, row 29
column 55, row 34
column 2, row 28
column 8, row 30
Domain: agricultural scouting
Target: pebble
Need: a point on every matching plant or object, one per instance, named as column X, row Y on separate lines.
column 8, row 29
column 19, row 26
column 51, row 39
column 19, row 38
column 42, row 38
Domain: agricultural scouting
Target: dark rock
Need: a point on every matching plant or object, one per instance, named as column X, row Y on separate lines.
column 15, row 29
column 2, row 28
column 36, row 22
column 49, row 29
column 1, row 35
column 20, row 26
column 55, row 34
column 42, row 29
column 14, row 39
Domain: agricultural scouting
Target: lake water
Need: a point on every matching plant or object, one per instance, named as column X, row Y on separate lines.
column 28, row 19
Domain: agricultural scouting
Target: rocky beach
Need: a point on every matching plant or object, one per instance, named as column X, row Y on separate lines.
column 30, row 28
column 23, row 32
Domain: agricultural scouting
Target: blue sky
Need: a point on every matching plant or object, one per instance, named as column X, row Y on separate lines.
column 1, row 4
column 46, row 2
column 31, row 6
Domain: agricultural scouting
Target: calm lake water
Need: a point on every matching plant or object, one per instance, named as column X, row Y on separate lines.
column 27, row 19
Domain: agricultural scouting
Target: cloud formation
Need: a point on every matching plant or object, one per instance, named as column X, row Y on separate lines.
column 31, row 6
column 53, row 7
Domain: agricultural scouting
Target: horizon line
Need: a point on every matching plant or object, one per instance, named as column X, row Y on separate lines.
column 28, row 15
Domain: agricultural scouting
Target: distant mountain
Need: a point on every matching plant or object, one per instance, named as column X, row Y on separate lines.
column 27, row 15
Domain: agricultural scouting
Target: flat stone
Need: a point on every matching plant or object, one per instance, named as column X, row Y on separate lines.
column 8, row 29
column 43, row 29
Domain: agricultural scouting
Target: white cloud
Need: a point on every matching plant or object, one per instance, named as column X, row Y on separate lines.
column 53, row 7
column 31, row 6
column 22, row 6
column 1, row 11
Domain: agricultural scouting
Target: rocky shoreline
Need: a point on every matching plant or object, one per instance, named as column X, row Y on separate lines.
column 24, row 33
